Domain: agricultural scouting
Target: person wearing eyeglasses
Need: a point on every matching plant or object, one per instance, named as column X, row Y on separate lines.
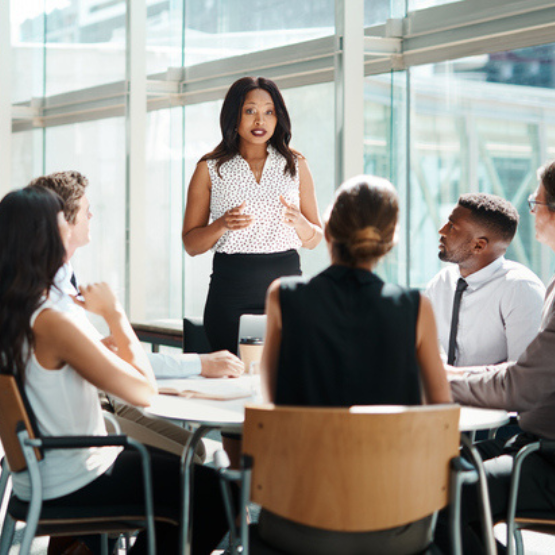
column 526, row 386
column 487, row 308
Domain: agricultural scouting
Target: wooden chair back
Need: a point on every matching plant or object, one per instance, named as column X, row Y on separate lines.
column 13, row 411
column 352, row 470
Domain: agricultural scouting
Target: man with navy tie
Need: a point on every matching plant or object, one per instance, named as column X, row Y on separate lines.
column 487, row 308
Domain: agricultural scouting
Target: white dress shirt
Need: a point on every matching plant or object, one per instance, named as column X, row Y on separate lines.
column 164, row 366
column 500, row 311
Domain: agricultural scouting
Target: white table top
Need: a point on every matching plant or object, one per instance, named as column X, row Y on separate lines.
column 231, row 414
column 473, row 419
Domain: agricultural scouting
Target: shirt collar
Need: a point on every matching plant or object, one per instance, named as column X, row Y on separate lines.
column 62, row 279
column 477, row 279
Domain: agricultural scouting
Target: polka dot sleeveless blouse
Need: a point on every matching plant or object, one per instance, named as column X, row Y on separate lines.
column 268, row 234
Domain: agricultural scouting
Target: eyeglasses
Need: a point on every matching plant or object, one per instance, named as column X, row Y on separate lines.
column 532, row 202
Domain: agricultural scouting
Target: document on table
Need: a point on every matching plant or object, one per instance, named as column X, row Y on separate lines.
column 209, row 389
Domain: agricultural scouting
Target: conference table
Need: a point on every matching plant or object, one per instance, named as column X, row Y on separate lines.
column 219, row 404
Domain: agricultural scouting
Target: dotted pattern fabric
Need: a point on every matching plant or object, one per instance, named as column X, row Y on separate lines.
column 237, row 184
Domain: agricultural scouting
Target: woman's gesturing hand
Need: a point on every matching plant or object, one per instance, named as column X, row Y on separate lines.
column 234, row 218
column 291, row 214
column 293, row 217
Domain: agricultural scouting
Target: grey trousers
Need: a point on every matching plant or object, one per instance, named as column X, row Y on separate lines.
column 155, row 432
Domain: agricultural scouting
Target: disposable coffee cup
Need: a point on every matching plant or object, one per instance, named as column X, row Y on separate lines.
column 250, row 350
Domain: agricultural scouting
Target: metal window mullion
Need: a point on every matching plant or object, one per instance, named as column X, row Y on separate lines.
column 349, row 88
column 5, row 99
column 136, row 114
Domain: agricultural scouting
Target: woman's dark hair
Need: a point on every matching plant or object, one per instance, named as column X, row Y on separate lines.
column 362, row 220
column 230, row 117
column 31, row 252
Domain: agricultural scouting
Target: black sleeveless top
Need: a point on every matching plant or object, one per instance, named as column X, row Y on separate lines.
column 348, row 338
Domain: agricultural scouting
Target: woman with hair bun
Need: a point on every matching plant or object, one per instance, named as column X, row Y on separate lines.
column 252, row 201
column 345, row 337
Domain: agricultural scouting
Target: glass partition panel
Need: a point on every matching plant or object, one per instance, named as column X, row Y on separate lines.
column 422, row 4
column 164, row 202
column 85, row 44
column 27, row 37
column 96, row 149
column 164, row 38
column 385, row 155
column 202, row 134
column 479, row 124
column 26, row 157
column 218, row 29
column 377, row 12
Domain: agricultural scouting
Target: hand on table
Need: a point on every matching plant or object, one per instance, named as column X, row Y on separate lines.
column 221, row 364
column 234, row 218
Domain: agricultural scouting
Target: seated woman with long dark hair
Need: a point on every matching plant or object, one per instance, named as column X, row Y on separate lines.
column 61, row 368
column 345, row 337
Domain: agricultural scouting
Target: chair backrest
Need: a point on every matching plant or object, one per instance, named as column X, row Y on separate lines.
column 12, row 412
column 252, row 325
column 351, row 470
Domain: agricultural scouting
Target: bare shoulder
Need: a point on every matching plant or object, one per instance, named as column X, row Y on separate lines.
column 201, row 177
column 298, row 154
column 54, row 323
column 202, row 169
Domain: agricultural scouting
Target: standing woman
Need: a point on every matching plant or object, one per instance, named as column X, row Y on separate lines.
column 252, row 201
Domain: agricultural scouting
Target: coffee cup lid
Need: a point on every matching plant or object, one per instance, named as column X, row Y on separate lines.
column 251, row 341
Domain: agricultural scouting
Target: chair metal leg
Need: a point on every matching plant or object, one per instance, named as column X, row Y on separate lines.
column 513, row 496
column 187, row 488
column 518, row 542
column 3, row 480
column 8, row 530
column 104, row 544
column 35, row 504
column 485, row 507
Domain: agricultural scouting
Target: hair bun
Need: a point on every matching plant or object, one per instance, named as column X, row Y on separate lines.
column 367, row 235
column 367, row 243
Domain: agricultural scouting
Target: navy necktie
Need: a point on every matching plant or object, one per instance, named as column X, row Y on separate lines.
column 73, row 281
column 461, row 286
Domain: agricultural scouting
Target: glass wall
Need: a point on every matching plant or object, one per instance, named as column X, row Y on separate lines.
column 436, row 130
column 164, row 199
column 228, row 28
column 96, row 149
column 478, row 124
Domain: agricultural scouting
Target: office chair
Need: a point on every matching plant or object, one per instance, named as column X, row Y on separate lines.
column 537, row 521
column 338, row 480
column 24, row 450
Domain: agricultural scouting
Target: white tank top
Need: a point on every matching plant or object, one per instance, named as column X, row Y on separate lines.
column 64, row 403
column 268, row 234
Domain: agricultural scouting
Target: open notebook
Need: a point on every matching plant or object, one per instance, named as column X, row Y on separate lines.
column 193, row 394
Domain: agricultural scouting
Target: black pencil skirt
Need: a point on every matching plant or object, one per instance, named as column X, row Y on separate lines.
column 238, row 285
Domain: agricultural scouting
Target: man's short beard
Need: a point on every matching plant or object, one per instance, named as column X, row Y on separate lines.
column 456, row 257
column 442, row 255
